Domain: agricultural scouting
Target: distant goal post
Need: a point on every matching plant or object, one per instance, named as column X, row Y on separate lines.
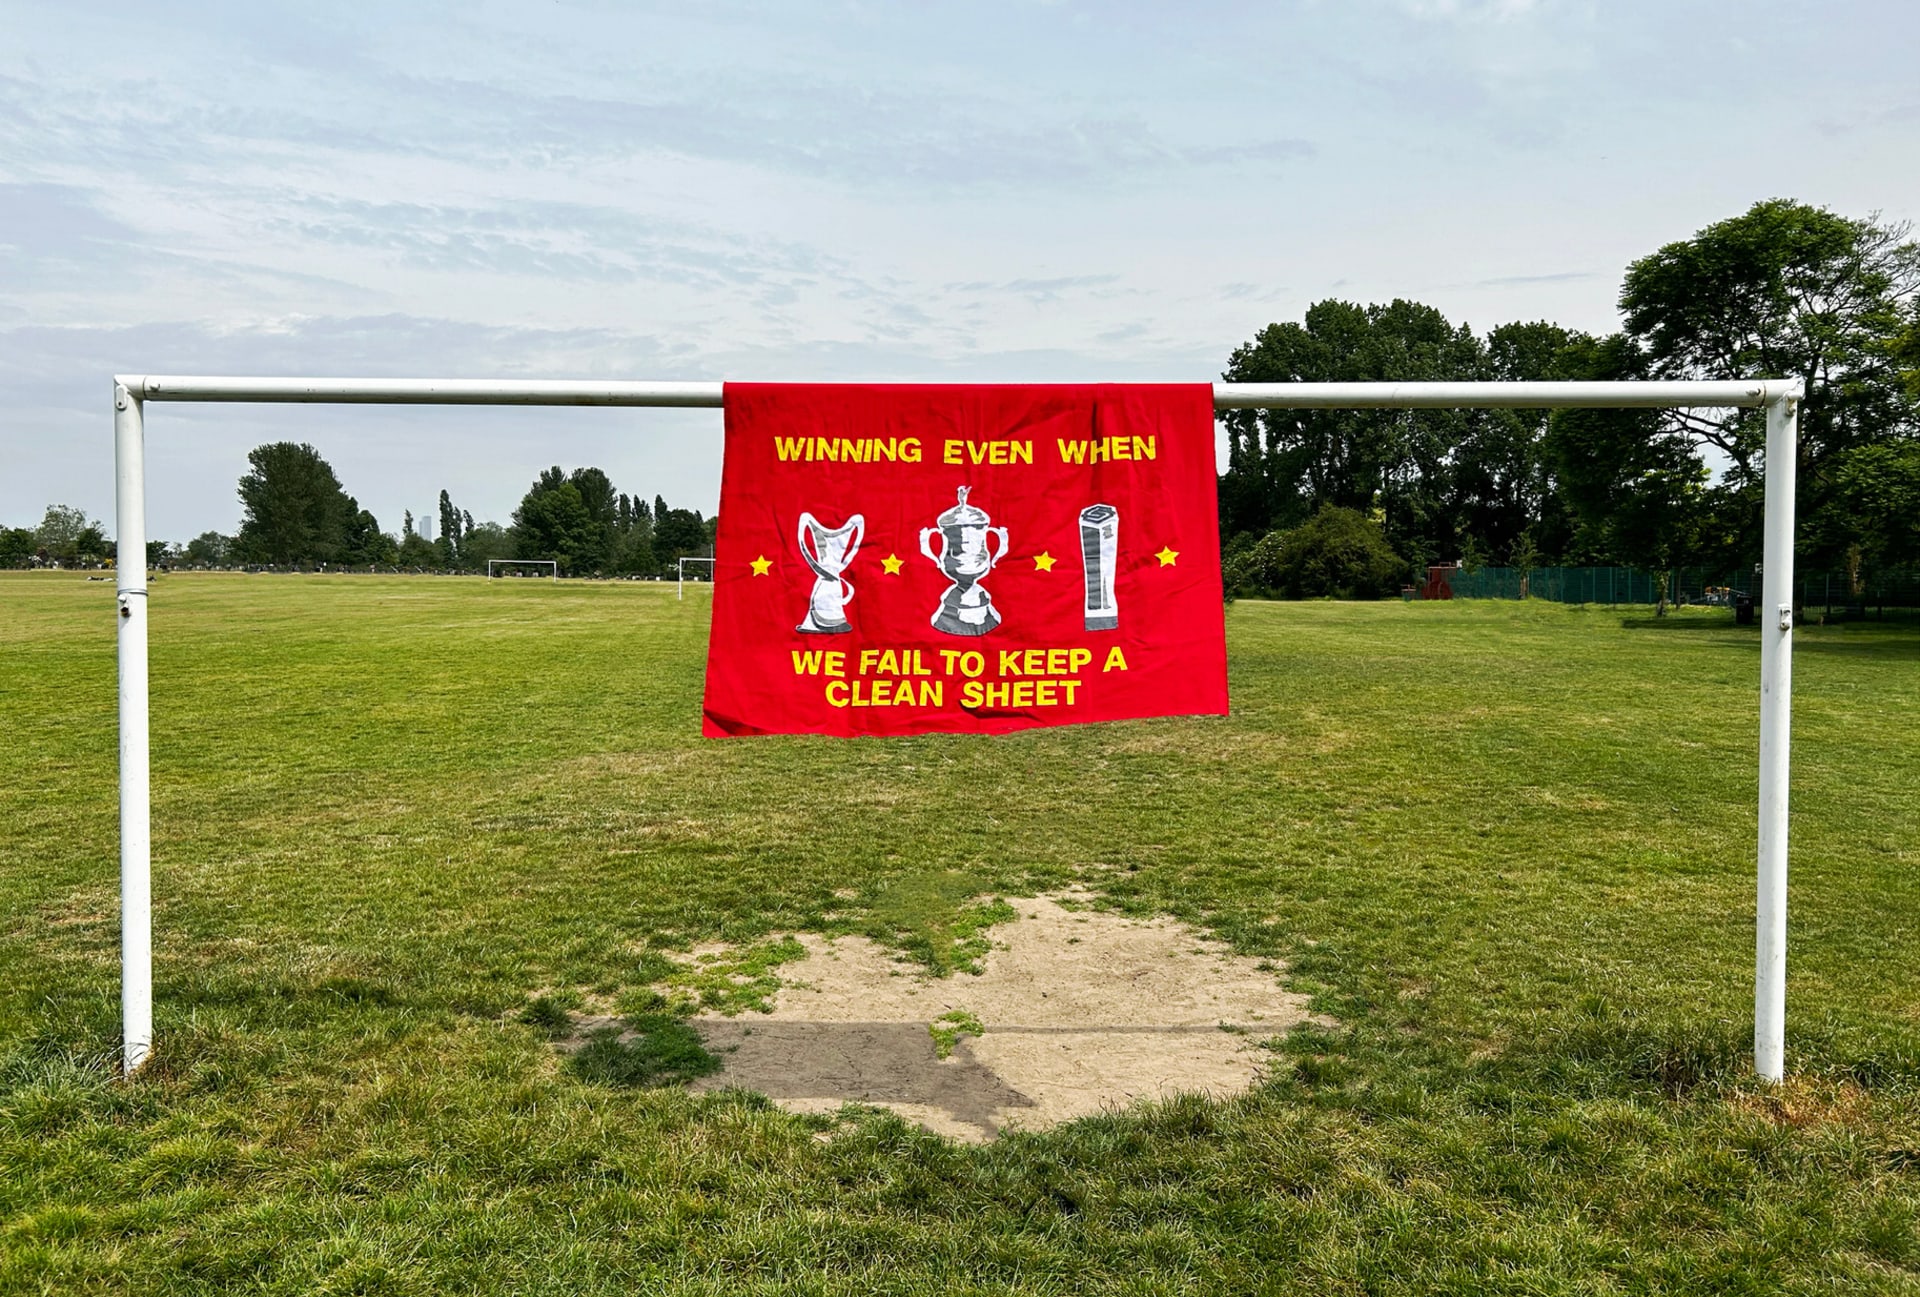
column 552, row 566
column 681, row 590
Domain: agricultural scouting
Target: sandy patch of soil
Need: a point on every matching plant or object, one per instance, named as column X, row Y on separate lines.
column 1081, row 1012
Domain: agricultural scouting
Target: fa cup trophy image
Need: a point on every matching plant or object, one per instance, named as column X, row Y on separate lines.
column 830, row 554
column 966, row 608
column 1099, row 556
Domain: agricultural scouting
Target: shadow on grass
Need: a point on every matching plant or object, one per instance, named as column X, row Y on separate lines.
column 1684, row 624
column 664, row 1051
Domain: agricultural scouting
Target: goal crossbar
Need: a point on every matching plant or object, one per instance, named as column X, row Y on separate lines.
column 1779, row 398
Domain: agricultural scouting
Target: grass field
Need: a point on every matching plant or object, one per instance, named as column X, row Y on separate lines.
column 1508, row 846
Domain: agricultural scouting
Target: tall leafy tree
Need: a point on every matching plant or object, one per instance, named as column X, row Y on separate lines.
column 633, row 551
column 1874, row 513
column 364, row 543
column 1285, row 465
column 292, row 507
column 16, row 546
column 482, row 541
column 209, row 547
column 553, row 522
column 678, row 533
column 1784, row 290
column 601, row 502
column 67, row 535
column 449, row 541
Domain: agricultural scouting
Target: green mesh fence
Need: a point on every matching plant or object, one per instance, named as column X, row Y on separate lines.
column 1831, row 595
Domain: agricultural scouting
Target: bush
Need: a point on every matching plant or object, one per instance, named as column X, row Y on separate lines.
column 1336, row 554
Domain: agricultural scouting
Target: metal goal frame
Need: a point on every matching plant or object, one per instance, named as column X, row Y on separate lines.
column 680, row 566
column 1779, row 398
column 524, row 562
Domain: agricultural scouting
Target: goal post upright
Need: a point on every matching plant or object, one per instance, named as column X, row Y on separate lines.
column 1776, row 724
column 136, row 819
column 1779, row 398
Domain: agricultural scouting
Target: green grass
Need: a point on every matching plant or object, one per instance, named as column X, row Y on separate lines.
column 1509, row 847
column 948, row 1028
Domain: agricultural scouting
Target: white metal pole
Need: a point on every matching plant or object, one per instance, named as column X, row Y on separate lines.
column 136, row 830
column 1776, row 699
column 681, row 567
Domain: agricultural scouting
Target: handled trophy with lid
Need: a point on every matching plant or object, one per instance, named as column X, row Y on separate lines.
column 966, row 558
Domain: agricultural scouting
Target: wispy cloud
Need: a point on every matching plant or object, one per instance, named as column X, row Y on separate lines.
column 1558, row 277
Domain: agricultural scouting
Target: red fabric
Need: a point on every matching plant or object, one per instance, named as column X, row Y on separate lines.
column 1050, row 651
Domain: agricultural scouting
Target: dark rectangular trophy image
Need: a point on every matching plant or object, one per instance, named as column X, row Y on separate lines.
column 1099, row 559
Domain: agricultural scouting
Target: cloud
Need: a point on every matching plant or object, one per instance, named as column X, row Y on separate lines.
column 1472, row 10
column 1515, row 281
column 1050, row 289
column 553, row 240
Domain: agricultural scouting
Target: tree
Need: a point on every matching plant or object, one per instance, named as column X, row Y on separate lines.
column 16, row 547
column 92, row 545
column 449, row 542
column 482, row 542
column 1875, row 516
column 633, row 546
column 1783, row 291
column 293, row 510
column 1338, row 553
column 678, row 533
column 414, row 549
column 1505, row 497
column 1440, row 476
column 209, row 549
column 66, row 535
column 363, row 544
column 601, row 502
column 553, row 522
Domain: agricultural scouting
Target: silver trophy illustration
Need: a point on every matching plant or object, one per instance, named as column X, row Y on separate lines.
column 966, row 608
column 1099, row 557
column 830, row 554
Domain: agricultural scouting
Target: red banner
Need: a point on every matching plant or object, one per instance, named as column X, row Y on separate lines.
column 908, row 559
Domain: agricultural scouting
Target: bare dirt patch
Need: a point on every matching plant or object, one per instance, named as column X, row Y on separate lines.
column 1079, row 1011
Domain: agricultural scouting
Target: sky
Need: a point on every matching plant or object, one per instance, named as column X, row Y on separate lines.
column 997, row 190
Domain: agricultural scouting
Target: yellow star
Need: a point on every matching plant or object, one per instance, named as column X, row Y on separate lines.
column 1043, row 562
column 760, row 565
column 1166, row 556
column 893, row 563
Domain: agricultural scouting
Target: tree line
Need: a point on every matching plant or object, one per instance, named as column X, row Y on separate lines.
column 295, row 513
column 1356, row 502
column 65, row 536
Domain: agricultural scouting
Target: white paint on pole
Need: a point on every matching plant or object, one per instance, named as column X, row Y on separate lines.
column 136, row 821
column 1779, row 398
column 1776, row 722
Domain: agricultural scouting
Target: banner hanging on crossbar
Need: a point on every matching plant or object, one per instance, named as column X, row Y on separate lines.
column 910, row 559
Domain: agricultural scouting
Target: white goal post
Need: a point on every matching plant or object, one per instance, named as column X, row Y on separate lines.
column 681, row 593
column 1779, row 398
column 492, row 563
